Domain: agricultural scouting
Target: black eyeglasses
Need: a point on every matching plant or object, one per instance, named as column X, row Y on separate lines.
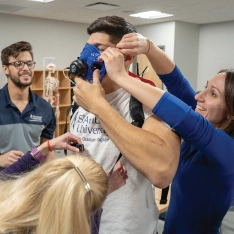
column 20, row 64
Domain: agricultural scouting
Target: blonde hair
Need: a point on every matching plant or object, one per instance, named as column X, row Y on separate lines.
column 52, row 198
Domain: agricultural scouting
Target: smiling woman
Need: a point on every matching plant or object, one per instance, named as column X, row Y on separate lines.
column 203, row 187
column 211, row 101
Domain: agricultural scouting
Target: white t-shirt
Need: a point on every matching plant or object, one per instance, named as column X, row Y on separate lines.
column 132, row 208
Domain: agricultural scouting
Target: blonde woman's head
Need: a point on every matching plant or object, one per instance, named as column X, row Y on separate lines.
column 53, row 198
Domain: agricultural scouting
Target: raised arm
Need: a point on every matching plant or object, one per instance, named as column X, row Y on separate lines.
column 191, row 126
column 153, row 150
column 134, row 44
column 170, row 74
column 146, row 94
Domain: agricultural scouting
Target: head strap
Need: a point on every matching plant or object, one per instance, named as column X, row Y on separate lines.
column 86, row 184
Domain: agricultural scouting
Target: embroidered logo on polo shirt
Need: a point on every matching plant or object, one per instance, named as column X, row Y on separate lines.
column 34, row 118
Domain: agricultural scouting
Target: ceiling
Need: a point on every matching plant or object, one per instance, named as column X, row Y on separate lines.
column 192, row 11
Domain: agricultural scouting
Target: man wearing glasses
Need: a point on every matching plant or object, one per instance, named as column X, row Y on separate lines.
column 26, row 120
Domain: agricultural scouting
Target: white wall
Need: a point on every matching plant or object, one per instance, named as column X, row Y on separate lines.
column 186, row 50
column 49, row 38
column 161, row 34
column 213, row 44
column 216, row 50
column 199, row 50
column 181, row 41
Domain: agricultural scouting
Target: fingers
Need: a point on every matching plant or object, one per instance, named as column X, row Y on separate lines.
column 64, row 142
column 118, row 166
column 110, row 53
column 133, row 44
column 11, row 157
column 74, row 98
column 124, row 173
column 122, row 170
column 73, row 138
column 14, row 154
column 72, row 148
column 18, row 153
column 129, row 41
column 79, row 81
column 114, row 63
column 96, row 76
column 118, row 178
column 128, row 37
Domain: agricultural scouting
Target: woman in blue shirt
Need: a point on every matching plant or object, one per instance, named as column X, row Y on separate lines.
column 203, row 187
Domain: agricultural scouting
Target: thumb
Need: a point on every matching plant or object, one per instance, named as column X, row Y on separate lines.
column 118, row 165
column 96, row 76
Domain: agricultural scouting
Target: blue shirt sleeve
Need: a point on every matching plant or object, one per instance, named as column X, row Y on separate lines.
column 177, row 85
column 214, row 143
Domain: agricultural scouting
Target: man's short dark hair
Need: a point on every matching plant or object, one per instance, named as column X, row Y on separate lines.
column 14, row 50
column 114, row 26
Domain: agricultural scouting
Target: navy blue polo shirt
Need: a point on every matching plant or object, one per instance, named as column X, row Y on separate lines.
column 22, row 131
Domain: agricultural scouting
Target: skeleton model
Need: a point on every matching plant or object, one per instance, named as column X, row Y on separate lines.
column 51, row 88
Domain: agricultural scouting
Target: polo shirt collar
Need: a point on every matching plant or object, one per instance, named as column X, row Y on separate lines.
column 7, row 101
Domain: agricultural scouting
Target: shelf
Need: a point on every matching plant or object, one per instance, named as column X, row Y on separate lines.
column 64, row 91
column 64, row 105
column 69, row 87
column 64, row 122
column 37, row 89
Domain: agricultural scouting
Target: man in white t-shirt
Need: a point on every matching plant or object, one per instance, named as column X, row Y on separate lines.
column 104, row 126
